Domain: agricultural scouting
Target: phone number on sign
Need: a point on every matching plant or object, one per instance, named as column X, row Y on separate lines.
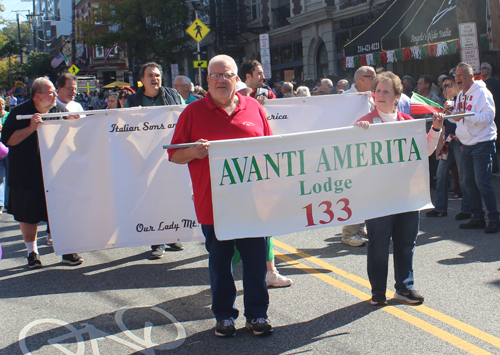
column 369, row 47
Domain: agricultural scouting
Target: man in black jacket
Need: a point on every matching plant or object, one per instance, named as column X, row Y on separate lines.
column 26, row 191
column 152, row 93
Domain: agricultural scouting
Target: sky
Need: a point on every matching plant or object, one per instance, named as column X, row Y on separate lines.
column 16, row 5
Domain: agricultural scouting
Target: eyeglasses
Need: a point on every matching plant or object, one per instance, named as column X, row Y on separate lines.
column 123, row 97
column 369, row 76
column 447, row 86
column 72, row 89
column 482, row 68
column 226, row 76
column 51, row 93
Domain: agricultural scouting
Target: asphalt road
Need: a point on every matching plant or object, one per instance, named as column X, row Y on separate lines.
column 120, row 302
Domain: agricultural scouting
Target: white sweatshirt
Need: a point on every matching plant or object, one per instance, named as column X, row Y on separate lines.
column 480, row 127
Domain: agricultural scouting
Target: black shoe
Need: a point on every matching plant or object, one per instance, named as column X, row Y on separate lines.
column 493, row 227
column 436, row 213
column 473, row 224
column 259, row 326
column 462, row 216
column 33, row 261
column 72, row 259
column 225, row 328
column 176, row 246
column 410, row 296
column 378, row 300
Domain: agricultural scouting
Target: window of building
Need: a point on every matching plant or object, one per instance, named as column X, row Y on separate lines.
column 255, row 10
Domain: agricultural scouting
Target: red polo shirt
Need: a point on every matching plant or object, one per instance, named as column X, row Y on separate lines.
column 203, row 119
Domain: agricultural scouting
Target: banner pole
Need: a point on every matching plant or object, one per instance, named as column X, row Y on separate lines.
column 192, row 144
column 453, row 116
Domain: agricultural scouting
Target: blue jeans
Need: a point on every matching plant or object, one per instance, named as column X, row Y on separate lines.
column 477, row 166
column 253, row 253
column 454, row 155
column 403, row 228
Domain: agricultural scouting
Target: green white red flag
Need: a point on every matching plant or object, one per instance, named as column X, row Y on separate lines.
column 421, row 105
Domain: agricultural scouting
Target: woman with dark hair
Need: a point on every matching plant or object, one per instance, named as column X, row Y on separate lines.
column 402, row 228
column 122, row 96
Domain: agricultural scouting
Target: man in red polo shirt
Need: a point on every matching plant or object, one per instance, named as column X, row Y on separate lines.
column 224, row 114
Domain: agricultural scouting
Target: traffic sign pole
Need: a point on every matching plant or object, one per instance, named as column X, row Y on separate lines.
column 198, row 50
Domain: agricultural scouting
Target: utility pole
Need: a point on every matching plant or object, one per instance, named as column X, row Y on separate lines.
column 19, row 34
column 73, row 32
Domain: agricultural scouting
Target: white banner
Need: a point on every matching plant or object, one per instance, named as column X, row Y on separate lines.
column 109, row 184
column 305, row 114
column 318, row 179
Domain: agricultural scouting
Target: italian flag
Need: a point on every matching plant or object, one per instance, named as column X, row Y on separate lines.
column 421, row 106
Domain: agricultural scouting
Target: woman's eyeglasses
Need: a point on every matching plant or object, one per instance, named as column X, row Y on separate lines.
column 447, row 86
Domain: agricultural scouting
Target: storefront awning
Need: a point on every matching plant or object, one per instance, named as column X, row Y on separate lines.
column 407, row 23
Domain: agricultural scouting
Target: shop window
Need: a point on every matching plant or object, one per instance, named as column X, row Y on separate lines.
column 287, row 54
column 275, row 56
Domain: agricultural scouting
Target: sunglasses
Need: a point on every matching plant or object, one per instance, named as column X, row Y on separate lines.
column 447, row 86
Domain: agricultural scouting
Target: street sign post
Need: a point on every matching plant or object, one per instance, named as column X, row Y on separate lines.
column 198, row 30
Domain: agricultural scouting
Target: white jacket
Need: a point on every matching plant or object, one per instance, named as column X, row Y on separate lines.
column 480, row 127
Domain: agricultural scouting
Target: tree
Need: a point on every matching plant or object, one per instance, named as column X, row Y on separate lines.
column 151, row 29
column 5, row 72
column 10, row 32
column 38, row 64
column 10, row 48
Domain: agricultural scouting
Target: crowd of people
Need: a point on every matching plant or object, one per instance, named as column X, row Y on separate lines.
column 461, row 149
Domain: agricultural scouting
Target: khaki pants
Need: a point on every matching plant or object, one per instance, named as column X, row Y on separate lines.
column 349, row 231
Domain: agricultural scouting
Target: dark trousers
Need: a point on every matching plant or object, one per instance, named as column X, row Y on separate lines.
column 402, row 228
column 254, row 256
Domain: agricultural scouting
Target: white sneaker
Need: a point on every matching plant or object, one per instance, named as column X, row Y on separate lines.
column 354, row 241
column 274, row 279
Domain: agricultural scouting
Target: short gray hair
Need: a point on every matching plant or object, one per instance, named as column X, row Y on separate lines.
column 223, row 58
column 185, row 79
column 38, row 83
column 303, row 91
column 487, row 65
column 327, row 82
column 363, row 71
column 288, row 86
column 466, row 66
column 343, row 83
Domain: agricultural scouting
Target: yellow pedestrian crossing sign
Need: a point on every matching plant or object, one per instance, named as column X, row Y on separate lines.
column 200, row 64
column 198, row 30
column 73, row 69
